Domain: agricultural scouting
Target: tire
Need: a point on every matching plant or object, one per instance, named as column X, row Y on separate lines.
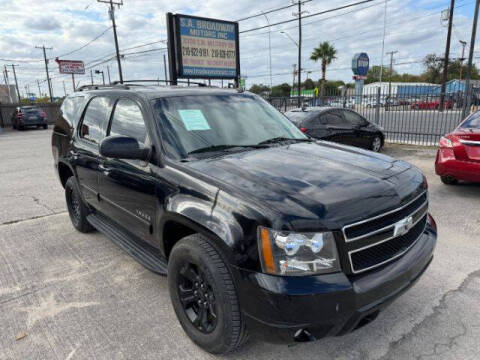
column 77, row 210
column 448, row 180
column 194, row 262
column 14, row 126
column 376, row 144
column 45, row 127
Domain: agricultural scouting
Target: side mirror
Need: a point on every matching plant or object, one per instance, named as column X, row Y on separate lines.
column 123, row 147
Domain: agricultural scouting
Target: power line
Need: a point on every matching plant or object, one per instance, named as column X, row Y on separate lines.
column 308, row 16
column 84, row 46
column 271, row 11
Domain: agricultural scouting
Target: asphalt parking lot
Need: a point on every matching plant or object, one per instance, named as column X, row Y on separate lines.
column 67, row 295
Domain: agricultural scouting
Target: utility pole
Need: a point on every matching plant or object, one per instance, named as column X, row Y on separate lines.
column 165, row 66
column 391, row 53
column 46, row 69
column 383, row 41
column 466, row 106
column 91, row 75
column 39, row 90
column 7, row 83
column 294, row 74
column 64, row 90
column 108, row 72
column 16, row 82
column 462, row 59
column 299, row 50
column 73, row 82
column 447, row 54
column 112, row 16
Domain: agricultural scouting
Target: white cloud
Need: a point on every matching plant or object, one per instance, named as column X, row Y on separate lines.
column 413, row 29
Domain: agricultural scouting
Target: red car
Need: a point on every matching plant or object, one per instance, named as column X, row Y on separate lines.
column 458, row 157
column 431, row 105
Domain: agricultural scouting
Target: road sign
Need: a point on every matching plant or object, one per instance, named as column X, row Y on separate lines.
column 360, row 64
column 32, row 98
column 71, row 66
column 203, row 48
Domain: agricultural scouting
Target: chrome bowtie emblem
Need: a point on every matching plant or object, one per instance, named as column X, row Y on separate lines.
column 403, row 226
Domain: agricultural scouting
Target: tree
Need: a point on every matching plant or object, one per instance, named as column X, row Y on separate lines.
column 308, row 84
column 326, row 53
column 281, row 90
column 259, row 89
column 373, row 74
column 433, row 69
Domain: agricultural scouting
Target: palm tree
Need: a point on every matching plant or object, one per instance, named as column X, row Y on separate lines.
column 326, row 53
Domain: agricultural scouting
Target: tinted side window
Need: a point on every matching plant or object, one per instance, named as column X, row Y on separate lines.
column 333, row 118
column 353, row 119
column 128, row 120
column 94, row 126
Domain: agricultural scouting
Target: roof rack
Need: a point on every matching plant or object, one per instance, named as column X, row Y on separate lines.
column 162, row 81
column 99, row 86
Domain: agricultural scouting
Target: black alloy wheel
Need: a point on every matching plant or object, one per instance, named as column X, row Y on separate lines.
column 203, row 295
column 77, row 210
column 197, row 298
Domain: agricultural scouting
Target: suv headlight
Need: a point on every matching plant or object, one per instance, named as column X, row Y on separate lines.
column 297, row 254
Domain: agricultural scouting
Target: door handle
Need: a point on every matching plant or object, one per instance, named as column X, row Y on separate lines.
column 74, row 154
column 104, row 169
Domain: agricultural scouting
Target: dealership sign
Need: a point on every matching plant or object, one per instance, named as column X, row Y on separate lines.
column 202, row 48
column 71, row 66
column 360, row 64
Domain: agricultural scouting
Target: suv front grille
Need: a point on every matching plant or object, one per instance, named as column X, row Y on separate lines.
column 376, row 241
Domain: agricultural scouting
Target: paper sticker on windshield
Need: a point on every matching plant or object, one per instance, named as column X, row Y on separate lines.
column 194, row 120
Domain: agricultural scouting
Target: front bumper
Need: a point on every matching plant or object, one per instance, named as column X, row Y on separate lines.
column 287, row 309
column 447, row 165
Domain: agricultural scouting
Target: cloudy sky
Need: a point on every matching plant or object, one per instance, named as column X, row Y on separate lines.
column 68, row 26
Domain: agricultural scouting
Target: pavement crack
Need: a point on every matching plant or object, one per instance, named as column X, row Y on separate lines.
column 436, row 311
column 31, row 218
column 39, row 203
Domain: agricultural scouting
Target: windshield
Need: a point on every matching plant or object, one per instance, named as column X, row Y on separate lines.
column 473, row 122
column 194, row 122
column 30, row 110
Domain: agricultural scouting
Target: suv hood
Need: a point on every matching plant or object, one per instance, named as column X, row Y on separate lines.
column 307, row 182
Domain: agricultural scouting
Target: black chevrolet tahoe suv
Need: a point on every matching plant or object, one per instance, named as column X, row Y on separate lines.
column 261, row 229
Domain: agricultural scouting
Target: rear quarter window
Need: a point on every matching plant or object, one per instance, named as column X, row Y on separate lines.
column 72, row 109
column 473, row 122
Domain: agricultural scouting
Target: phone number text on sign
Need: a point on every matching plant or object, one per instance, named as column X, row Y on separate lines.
column 208, row 48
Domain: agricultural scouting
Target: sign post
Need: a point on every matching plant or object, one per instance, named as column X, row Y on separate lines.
column 202, row 48
column 360, row 65
column 71, row 67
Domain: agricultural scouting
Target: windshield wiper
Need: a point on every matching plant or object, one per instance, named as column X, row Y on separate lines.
column 281, row 138
column 225, row 147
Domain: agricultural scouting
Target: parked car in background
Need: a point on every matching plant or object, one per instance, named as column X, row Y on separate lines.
column 344, row 126
column 433, row 104
column 458, row 157
column 370, row 103
column 27, row 116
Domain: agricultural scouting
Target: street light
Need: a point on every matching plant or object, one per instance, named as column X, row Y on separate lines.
column 269, row 49
column 298, row 47
column 103, row 76
column 288, row 35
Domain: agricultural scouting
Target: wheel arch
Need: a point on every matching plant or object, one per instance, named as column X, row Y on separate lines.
column 64, row 172
column 175, row 226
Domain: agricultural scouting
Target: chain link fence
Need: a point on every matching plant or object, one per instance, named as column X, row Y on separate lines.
column 409, row 114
